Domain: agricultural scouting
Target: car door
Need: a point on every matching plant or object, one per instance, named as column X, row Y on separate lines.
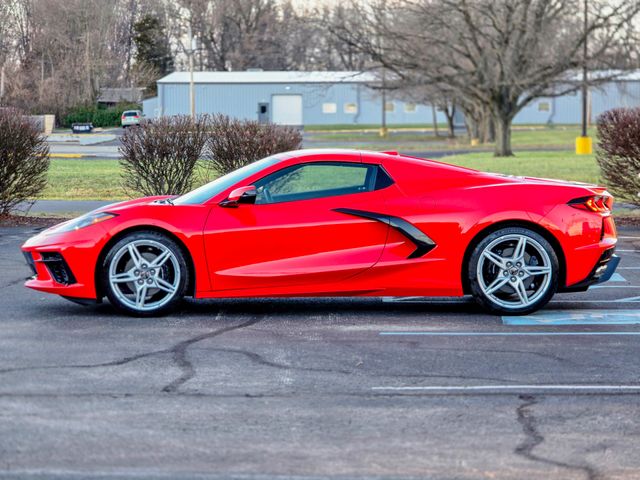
column 295, row 234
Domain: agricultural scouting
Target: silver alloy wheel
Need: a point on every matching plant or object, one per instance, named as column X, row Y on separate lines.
column 514, row 271
column 144, row 275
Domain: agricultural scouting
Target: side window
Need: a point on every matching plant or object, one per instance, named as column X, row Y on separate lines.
column 316, row 180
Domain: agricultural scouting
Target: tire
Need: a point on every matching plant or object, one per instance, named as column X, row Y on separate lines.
column 145, row 274
column 513, row 271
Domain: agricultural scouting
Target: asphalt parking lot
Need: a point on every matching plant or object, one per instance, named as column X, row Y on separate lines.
column 340, row 388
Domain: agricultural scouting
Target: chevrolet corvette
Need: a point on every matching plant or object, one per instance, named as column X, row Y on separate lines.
column 336, row 223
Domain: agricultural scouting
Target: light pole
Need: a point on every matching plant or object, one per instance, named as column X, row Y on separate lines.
column 583, row 143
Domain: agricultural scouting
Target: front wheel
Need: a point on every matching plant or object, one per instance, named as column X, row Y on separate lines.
column 144, row 274
column 513, row 271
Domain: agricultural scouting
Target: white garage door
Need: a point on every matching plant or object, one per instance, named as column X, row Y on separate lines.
column 287, row 109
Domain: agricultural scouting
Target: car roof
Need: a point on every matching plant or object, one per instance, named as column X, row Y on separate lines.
column 371, row 156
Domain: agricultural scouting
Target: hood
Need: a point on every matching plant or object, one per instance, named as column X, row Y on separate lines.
column 115, row 207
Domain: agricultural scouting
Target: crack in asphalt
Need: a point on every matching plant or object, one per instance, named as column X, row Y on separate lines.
column 13, row 282
column 112, row 363
column 259, row 359
column 180, row 351
column 179, row 354
column 533, row 438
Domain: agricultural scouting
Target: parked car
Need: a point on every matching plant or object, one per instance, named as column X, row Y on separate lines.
column 131, row 117
column 337, row 223
column 86, row 127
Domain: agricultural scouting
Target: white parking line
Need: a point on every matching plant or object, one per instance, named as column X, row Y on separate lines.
column 426, row 333
column 615, row 300
column 614, row 286
column 629, row 238
column 490, row 388
column 576, row 317
column 464, row 301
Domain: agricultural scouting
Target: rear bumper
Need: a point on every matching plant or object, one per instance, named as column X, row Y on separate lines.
column 601, row 272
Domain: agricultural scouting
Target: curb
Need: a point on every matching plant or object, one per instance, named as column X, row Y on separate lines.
column 71, row 155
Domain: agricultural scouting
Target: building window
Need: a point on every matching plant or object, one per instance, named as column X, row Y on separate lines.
column 410, row 108
column 350, row 108
column 544, row 106
column 389, row 107
column 329, row 108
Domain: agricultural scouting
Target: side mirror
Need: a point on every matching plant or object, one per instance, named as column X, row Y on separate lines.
column 240, row 195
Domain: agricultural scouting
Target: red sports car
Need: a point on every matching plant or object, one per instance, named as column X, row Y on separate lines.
column 336, row 223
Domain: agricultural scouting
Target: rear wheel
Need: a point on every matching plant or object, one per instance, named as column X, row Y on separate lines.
column 513, row 271
column 145, row 274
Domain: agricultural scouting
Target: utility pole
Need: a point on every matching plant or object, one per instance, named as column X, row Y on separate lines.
column 583, row 143
column 192, row 93
column 384, row 132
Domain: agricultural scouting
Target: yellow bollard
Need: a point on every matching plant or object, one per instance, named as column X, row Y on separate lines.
column 475, row 142
column 584, row 146
column 384, row 132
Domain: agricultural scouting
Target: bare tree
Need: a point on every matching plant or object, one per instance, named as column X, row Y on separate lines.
column 497, row 55
column 61, row 52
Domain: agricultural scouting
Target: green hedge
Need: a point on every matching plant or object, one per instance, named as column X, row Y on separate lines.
column 97, row 115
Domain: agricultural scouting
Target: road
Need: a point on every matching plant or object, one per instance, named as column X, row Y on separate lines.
column 331, row 388
column 105, row 145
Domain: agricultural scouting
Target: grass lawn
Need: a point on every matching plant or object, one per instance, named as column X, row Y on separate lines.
column 561, row 165
column 100, row 179
column 84, row 180
column 94, row 179
column 543, row 137
column 372, row 126
column 523, row 137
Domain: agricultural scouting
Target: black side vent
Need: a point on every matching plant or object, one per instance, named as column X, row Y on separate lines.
column 423, row 243
column 58, row 268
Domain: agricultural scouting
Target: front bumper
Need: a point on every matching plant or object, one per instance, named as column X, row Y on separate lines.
column 64, row 263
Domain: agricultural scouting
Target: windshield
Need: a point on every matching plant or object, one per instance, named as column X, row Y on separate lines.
column 211, row 189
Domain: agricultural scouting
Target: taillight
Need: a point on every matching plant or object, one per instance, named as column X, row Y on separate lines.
column 595, row 203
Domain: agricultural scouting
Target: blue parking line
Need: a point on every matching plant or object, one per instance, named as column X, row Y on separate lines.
column 576, row 317
column 616, row 277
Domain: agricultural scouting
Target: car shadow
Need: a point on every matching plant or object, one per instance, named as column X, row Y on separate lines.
column 286, row 307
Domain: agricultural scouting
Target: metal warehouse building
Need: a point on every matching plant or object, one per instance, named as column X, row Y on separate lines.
column 323, row 98
column 624, row 91
column 286, row 98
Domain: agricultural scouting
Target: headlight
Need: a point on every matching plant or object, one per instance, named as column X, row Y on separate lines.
column 83, row 221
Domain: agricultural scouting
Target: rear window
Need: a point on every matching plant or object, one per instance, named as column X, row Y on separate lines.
column 130, row 114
